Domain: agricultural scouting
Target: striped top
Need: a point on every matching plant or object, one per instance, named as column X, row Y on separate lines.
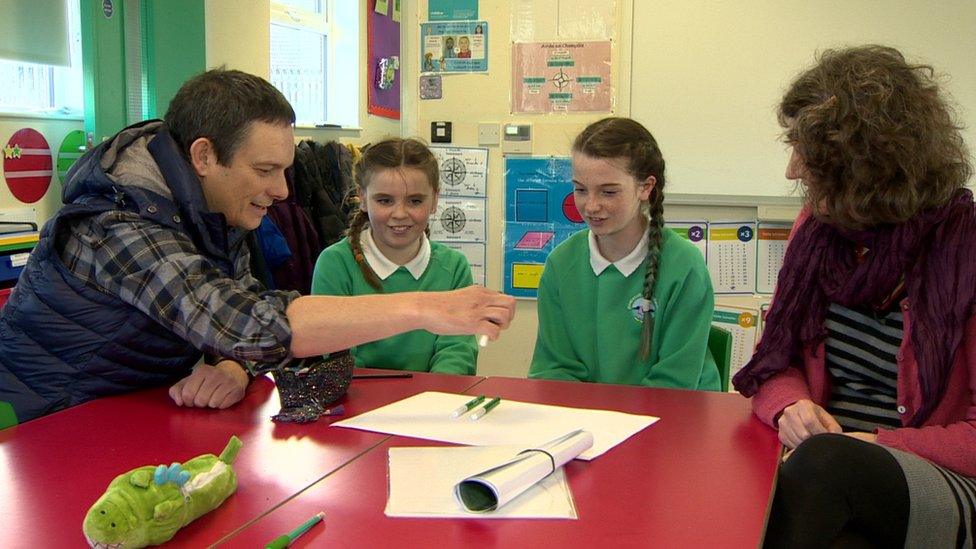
column 862, row 352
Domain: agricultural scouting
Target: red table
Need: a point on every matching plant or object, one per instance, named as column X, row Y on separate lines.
column 52, row 469
column 700, row 477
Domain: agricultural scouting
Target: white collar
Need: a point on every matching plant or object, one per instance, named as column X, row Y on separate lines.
column 383, row 267
column 626, row 265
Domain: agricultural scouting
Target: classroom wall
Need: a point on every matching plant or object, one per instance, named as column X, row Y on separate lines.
column 472, row 98
column 238, row 36
column 684, row 38
column 719, row 69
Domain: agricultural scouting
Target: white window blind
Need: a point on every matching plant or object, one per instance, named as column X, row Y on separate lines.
column 34, row 31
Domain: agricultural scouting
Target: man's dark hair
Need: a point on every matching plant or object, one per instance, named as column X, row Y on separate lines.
column 220, row 105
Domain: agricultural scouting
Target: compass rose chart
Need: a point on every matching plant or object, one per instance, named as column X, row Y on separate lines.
column 452, row 172
column 460, row 221
column 453, row 219
column 561, row 80
column 464, row 170
column 561, row 77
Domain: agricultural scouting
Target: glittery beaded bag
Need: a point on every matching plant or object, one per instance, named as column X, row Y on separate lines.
column 308, row 386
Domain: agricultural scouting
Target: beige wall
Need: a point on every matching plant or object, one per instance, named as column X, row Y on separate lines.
column 472, row 98
column 238, row 36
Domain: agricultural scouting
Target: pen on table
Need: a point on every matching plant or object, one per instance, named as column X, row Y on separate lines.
column 488, row 407
column 380, row 376
column 285, row 540
column 335, row 411
column 466, row 407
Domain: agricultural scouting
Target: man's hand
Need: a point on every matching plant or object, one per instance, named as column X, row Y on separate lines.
column 474, row 310
column 803, row 419
column 211, row 386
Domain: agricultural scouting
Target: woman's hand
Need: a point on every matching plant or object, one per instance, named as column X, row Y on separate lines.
column 803, row 419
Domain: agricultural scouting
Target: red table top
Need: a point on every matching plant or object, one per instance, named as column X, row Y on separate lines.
column 702, row 476
column 52, row 469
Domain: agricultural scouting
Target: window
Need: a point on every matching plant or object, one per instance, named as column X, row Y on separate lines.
column 314, row 51
column 35, row 89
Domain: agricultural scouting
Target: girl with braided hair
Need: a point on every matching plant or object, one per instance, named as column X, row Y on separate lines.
column 386, row 250
column 627, row 301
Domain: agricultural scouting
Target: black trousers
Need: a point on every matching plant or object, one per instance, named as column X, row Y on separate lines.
column 838, row 491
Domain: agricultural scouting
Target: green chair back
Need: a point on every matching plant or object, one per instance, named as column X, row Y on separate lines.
column 7, row 416
column 720, row 345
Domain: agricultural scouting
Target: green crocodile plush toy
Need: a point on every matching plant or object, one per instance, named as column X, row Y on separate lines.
column 148, row 505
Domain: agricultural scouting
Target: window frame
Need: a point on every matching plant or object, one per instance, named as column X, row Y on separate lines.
column 341, row 56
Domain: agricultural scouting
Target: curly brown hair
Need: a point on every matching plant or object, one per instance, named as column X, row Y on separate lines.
column 878, row 139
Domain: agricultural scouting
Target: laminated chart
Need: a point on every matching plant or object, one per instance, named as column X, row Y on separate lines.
column 464, row 170
column 732, row 256
column 771, row 242
column 454, row 46
column 695, row 232
column 475, row 253
column 459, row 221
column 561, row 77
column 742, row 324
column 539, row 214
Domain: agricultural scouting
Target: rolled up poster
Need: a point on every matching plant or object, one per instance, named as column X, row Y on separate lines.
column 493, row 488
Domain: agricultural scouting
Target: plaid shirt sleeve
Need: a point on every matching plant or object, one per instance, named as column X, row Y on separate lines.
column 160, row 272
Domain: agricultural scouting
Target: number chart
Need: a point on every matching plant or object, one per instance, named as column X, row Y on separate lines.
column 695, row 232
column 741, row 323
column 732, row 256
column 771, row 242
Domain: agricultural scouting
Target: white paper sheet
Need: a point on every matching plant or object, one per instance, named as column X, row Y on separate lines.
column 422, row 484
column 427, row 415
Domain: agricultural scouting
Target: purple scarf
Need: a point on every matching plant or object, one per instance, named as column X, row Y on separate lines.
column 933, row 251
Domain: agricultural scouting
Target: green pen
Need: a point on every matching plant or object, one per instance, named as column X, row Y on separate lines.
column 285, row 540
column 488, row 407
column 465, row 408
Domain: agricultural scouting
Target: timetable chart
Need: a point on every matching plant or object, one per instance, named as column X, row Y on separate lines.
column 771, row 241
column 695, row 232
column 732, row 256
column 742, row 323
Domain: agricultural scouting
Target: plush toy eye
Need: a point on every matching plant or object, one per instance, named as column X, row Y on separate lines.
column 113, row 525
column 102, row 511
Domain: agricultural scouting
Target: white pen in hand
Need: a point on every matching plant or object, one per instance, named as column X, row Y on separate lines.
column 488, row 407
column 466, row 407
column 482, row 341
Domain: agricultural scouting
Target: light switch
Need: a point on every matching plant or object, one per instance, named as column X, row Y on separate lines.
column 488, row 134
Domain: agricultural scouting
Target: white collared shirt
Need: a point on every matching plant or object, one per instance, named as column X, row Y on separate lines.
column 626, row 265
column 383, row 267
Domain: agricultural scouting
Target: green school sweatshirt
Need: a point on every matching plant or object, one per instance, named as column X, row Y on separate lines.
column 336, row 273
column 589, row 325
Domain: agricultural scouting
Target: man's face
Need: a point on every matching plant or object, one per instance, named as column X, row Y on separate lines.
column 254, row 178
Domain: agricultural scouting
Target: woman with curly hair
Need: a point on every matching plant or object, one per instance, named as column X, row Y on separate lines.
column 868, row 365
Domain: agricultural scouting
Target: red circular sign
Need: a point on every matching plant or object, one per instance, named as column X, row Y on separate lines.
column 569, row 209
column 27, row 165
